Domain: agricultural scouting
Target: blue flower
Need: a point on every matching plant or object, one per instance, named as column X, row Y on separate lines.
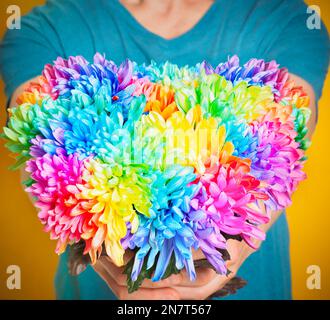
column 239, row 134
column 168, row 231
column 80, row 125
column 255, row 72
column 102, row 77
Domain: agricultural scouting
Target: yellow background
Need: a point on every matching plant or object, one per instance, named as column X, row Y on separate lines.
column 23, row 243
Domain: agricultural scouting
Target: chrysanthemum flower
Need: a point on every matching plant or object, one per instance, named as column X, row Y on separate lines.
column 184, row 139
column 77, row 126
column 55, row 188
column 20, row 129
column 229, row 197
column 281, row 112
column 167, row 231
column 166, row 73
column 117, row 194
column 99, row 78
column 276, row 160
column 36, row 91
column 160, row 98
column 292, row 94
column 239, row 133
column 218, row 97
column 254, row 72
column 301, row 117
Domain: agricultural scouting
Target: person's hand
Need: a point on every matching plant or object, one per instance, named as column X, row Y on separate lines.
column 116, row 280
column 207, row 280
column 176, row 286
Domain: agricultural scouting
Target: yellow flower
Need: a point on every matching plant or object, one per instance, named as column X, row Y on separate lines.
column 117, row 192
column 189, row 139
column 161, row 100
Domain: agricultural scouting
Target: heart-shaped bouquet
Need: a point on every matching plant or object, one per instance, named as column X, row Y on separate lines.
column 159, row 159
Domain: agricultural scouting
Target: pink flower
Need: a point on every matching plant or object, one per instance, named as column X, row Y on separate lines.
column 229, row 197
column 64, row 215
column 277, row 160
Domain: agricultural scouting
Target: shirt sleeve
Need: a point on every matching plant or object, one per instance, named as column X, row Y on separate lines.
column 298, row 46
column 25, row 51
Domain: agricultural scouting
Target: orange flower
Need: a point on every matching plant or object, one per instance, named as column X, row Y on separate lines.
column 277, row 111
column 35, row 91
column 160, row 98
column 294, row 94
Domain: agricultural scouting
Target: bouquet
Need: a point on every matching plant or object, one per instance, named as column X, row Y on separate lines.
column 159, row 159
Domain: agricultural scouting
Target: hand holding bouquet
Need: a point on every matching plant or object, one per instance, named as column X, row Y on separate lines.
column 158, row 159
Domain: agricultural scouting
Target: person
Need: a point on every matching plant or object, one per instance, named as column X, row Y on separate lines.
column 183, row 32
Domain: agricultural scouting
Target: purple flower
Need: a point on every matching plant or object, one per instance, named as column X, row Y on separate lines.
column 168, row 230
column 254, row 72
column 276, row 160
column 102, row 77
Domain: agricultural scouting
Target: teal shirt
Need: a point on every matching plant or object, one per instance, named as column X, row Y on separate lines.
column 267, row 29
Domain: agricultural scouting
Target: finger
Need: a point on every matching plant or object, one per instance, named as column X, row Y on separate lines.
column 202, row 292
column 142, row 294
column 235, row 249
column 149, row 294
column 198, row 254
column 172, row 280
column 103, row 273
column 113, row 271
column 121, row 279
column 203, row 276
column 239, row 252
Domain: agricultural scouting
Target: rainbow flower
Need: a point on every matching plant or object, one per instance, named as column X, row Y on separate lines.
column 254, row 72
column 118, row 193
column 160, row 98
column 229, row 197
column 55, row 179
column 167, row 231
column 101, row 78
column 276, row 160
